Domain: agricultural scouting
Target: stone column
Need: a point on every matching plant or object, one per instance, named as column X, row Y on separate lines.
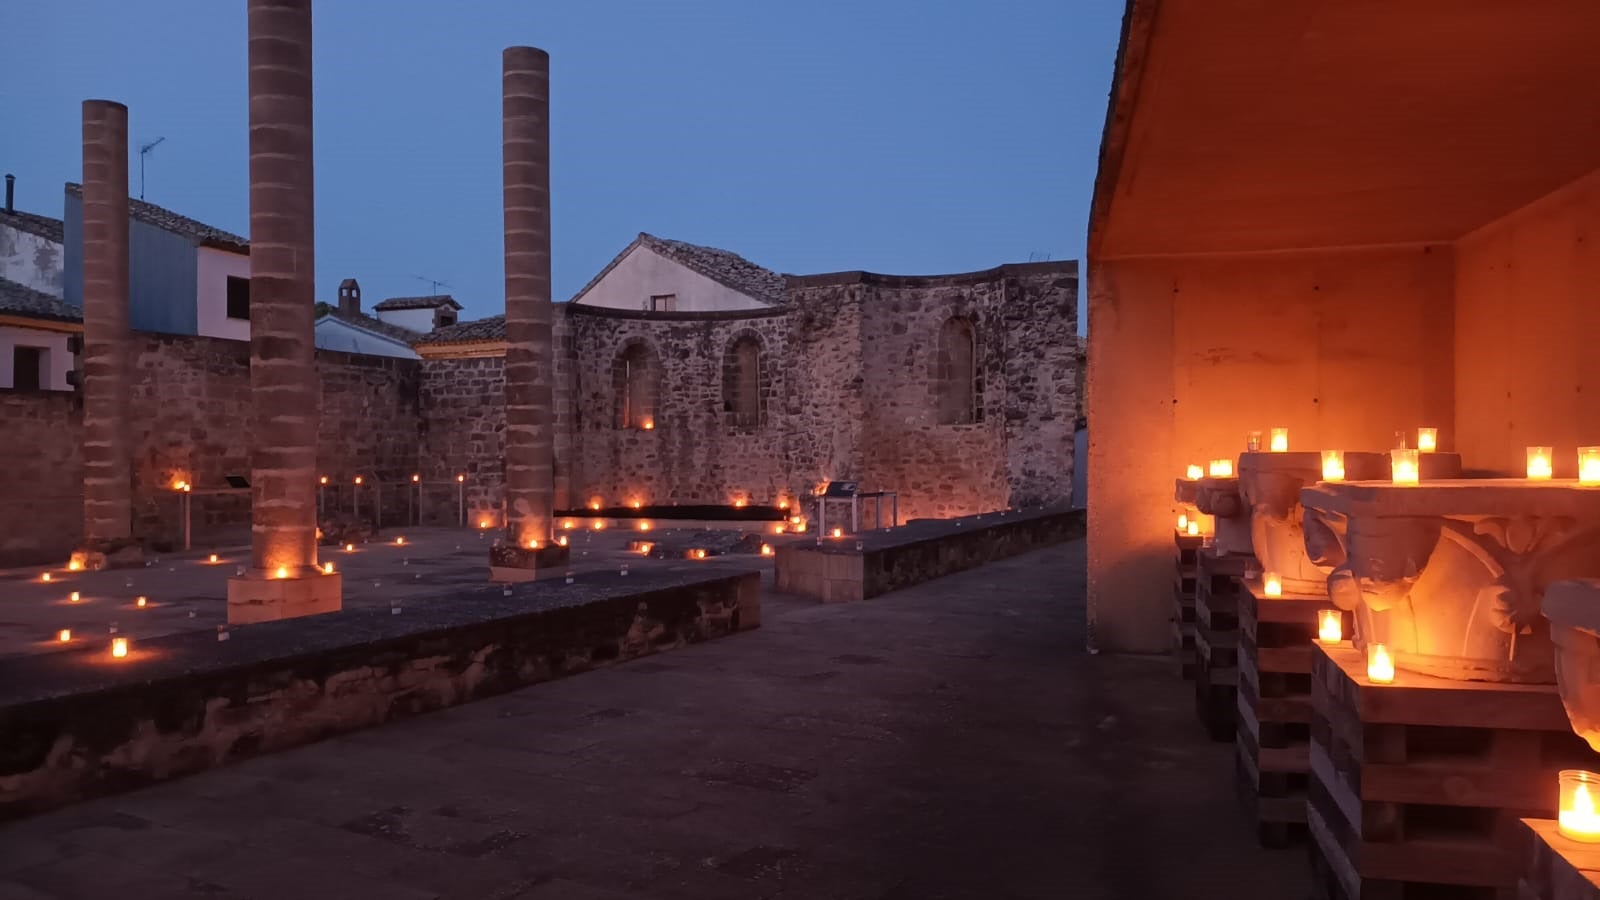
column 530, row 408
column 107, row 453
column 283, row 580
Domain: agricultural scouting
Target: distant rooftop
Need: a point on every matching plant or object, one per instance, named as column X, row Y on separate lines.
column 432, row 301
column 33, row 223
column 20, row 300
column 377, row 326
column 476, row 331
column 725, row 267
column 161, row 217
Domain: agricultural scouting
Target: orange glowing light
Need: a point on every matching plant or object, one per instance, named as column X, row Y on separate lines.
column 1330, row 626
column 649, row 425
column 645, row 548
column 461, row 478
column 1577, row 818
column 838, row 532
column 794, row 520
column 119, row 647
column 349, row 548
column 1540, row 466
column 1280, row 440
column 74, row 566
column 64, row 635
column 783, row 504
column 142, row 601
column 644, row 526
column 739, row 503
column 1403, row 466
column 74, row 597
column 698, row 553
column 533, row 544
column 636, row 505
column 483, row 523
column 322, row 480
column 1194, row 473
column 594, row 503
column 179, row 484
column 777, row 529
column 1333, row 465
column 766, row 550
column 212, row 558
column 1192, row 528
column 568, row 524
column 800, row 529
column 1427, row 439
column 1272, row 585
column 1589, row 465
column 562, row 540
column 400, row 541
column 45, row 577
column 281, row 572
column 358, row 479
column 1183, row 521
column 327, row 568
column 1220, row 468
column 416, row 478
column 599, row 525
column 1380, row 666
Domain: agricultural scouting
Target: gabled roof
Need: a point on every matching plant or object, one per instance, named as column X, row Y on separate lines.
column 722, row 266
column 377, row 326
column 163, row 218
column 33, row 223
column 433, row 301
column 474, row 332
column 20, row 300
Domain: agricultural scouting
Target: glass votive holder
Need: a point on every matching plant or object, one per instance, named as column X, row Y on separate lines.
column 1252, row 442
column 1576, row 817
column 1427, row 439
column 1380, row 665
column 1280, row 440
column 1330, row 626
column 1589, row 465
column 1541, row 465
column 1333, row 465
column 1404, row 466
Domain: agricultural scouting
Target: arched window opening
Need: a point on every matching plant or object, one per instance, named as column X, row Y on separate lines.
column 742, row 399
column 955, row 375
column 634, row 378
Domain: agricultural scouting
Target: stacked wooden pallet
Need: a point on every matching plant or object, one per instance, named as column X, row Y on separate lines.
column 1417, row 787
column 1274, row 708
column 1185, row 573
column 1216, row 641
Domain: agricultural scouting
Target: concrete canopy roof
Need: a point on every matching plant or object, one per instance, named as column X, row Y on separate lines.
column 1260, row 125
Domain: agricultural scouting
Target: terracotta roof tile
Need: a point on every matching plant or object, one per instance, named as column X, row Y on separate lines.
column 161, row 217
column 20, row 300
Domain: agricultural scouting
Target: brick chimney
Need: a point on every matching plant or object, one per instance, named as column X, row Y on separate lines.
column 349, row 299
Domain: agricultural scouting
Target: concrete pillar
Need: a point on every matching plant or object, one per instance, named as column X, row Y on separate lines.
column 283, row 580
column 530, row 410
column 107, row 452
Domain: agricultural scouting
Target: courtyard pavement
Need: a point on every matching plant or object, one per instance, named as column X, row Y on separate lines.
column 949, row 741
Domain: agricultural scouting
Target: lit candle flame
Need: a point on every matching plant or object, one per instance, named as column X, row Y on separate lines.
column 1540, row 467
column 636, row 504
column 460, row 479
column 327, row 568
column 74, row 566
column 322, row 480
column 568, row 524
column 644, row 526
column 1589, row 465
column 400, row 541
column 64, row 635
column 838, row 532
column 1330, row 626
column 416, row 478
column 1403, row 465
column 282, row 572
column 358, row 479
column 1221, row 468
column 45, row 577
column 783, row 504
column 599, row 524
column 212, row 558
column 349, row 548
column 1193, row 529
column 1280, row 440
column 1195, row 472
column 699, row 553
column 800, row 529
column 739, row 503
column 777, row 529
column 1183, row 521
column 119, row 647
column 649, row 425
column 1579, row 821
column 562, row 540
column 142, row 601
column 1427, row 439
column 766, row 549
column 1272, row 585
column 1333, row 465
column 1380, row 667
column 74, row 597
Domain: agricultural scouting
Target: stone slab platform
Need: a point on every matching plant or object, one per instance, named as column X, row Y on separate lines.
column 1555, row 867
column 865, row 565
column 79, row 723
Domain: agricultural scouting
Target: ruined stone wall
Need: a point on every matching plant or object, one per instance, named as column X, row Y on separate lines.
column 694, row 453
column 41, row 477
column 463, row 424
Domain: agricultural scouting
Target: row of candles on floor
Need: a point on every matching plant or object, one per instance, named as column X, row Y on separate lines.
column 1405, row 462
column 1576, row 816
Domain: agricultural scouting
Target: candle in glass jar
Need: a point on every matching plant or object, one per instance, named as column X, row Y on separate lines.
column 1252, row 442
column 1280, row 440
column 1577, row 818
column 1333, row 465
column 1272, row 585
column 1183, row 521
column 1540, row 466
column 1330, row 626
column 1403, row 465
column 1427, row 439
column 1589, row 465
column 119, row 647
column 1192, row 529
column 1195, row 472
column 1380, row 666
column 1221, row 468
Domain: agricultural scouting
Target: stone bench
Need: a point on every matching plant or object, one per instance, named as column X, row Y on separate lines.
column 78, row 723
column 835, row 570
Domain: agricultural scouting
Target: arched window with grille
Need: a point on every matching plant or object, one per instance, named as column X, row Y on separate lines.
column 635, row 379
column 955, row 373
column 743, row 395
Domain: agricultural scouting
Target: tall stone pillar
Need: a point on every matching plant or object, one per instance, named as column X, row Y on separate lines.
column 530, row 363
column 107, row 451
column 283, row 580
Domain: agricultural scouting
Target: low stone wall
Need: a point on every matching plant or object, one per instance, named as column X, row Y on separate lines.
column 77, row 724
column 834, row 570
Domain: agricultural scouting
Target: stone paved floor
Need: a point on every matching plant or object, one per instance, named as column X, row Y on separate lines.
column 948, row 741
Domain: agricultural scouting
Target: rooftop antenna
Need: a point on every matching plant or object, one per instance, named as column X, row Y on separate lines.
column 1039, row 256
column 144, row 150
column 433, row 283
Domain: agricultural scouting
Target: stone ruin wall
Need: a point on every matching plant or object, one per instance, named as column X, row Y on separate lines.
column 190, row 418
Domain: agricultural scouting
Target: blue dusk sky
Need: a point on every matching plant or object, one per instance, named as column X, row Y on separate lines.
column 889, row 135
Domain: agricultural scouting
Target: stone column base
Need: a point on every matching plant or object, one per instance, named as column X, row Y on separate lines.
column 257, row 598
column 509, row 565
column 124, row 554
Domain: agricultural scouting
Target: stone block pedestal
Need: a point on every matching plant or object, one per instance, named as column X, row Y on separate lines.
column 1555, row 867
column 511, row 565
column 257, row 598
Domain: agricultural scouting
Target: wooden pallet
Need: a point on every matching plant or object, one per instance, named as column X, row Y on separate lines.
column 1555, row 867
column 1417, row 787
column 1186, row 552
column 1274, row 708
column 1216, row 641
